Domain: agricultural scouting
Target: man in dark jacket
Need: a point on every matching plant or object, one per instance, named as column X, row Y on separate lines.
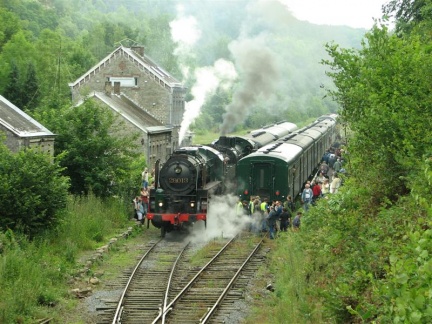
column 285, row 219
column 271, row 221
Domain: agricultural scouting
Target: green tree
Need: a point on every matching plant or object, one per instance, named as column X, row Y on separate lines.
column 10, row 25
column 384, row 92
column 408, row 13
column 96, row 155
column 13, row 89
column 30, row 89
column 32, row 191
column 15, row 52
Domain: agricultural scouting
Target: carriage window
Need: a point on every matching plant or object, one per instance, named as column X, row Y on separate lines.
column 261, row 178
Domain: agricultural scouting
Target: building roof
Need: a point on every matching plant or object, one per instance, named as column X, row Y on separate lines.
column 18, row 122
column 158, row 129
column 134, row 114
column 143, row 62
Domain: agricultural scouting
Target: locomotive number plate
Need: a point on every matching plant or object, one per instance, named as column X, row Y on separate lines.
column 178, row 180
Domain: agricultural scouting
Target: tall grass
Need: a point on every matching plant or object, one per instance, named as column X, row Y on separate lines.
column 29, row 279
column 33, row 273
column 90, row 220
column 290, row 302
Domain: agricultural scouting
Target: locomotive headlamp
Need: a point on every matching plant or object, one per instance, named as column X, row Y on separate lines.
column 192, row 204
column 160, row 204
column 178, row 169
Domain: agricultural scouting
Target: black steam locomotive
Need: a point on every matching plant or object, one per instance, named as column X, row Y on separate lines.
column 185, row 183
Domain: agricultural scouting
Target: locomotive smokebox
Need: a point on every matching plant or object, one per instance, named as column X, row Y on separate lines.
column 226, row 141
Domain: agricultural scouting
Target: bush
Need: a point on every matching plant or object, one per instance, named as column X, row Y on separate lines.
column 32, row 191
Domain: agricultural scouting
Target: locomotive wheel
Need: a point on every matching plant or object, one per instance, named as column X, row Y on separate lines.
column 163, row 231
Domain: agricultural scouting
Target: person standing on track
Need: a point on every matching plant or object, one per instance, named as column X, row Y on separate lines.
column 140, row 211
column 289, row 204
column 335, row 184
column 145, row 200
column 145, row 178
column 297, row 222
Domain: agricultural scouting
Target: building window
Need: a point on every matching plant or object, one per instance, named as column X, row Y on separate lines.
column 124, row 81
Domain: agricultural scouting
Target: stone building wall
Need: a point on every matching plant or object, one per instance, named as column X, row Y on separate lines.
column 152, row 146
column 154, row 97
column 15, row 143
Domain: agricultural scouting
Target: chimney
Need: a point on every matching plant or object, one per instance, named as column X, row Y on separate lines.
column 117, row 87
column 138, row 49
column 108, row 88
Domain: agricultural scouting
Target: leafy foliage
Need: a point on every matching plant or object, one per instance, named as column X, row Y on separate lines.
column 368, row 247
column 385, row 102
column 96, row 155
column 32, row 191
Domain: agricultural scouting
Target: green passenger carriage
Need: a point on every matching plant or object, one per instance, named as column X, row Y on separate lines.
column 282, row 168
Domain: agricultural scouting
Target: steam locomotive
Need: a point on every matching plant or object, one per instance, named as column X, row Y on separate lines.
column 185, row 183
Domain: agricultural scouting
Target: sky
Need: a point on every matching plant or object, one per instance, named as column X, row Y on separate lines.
column 353, row 13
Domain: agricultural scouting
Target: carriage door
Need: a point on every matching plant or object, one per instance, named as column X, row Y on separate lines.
column 262, row 180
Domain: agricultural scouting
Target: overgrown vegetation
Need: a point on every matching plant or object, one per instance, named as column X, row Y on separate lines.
column 32, row 191
column 33, row 273
column 364, row 255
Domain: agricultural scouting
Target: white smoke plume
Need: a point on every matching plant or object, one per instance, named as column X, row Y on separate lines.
column 185, row 33
column 208, row 79
column 222, row 220
column 256, row 64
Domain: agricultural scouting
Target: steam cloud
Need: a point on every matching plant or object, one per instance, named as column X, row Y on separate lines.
column 256, row 64
column 259, row 74
column 222, row 220
column 208, row 79
column 185, row 33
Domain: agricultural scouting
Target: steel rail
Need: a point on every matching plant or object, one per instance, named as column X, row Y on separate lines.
column 165, row 301
column 189, row 284
column 228, row 287
column 119, row 309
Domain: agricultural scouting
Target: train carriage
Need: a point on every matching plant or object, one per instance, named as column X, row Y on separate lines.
column 269, row 172
column 281, row 169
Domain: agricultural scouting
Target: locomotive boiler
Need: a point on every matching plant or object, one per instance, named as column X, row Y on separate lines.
column 185, row 184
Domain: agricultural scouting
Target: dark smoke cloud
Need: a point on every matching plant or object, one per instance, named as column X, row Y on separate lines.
column 259, row 74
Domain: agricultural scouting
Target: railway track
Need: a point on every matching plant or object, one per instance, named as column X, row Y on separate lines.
column 167, row 287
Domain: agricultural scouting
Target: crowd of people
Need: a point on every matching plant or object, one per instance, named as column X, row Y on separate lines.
column 270, row 216
column 141, row 202
column 327, row 180
column 277, row 216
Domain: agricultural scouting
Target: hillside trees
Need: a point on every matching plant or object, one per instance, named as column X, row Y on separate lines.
column 372, row 241
column 409, row 14
column 10, row 25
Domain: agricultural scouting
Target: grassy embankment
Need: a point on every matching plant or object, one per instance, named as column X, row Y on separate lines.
column 33, row 274
column 353, row 262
